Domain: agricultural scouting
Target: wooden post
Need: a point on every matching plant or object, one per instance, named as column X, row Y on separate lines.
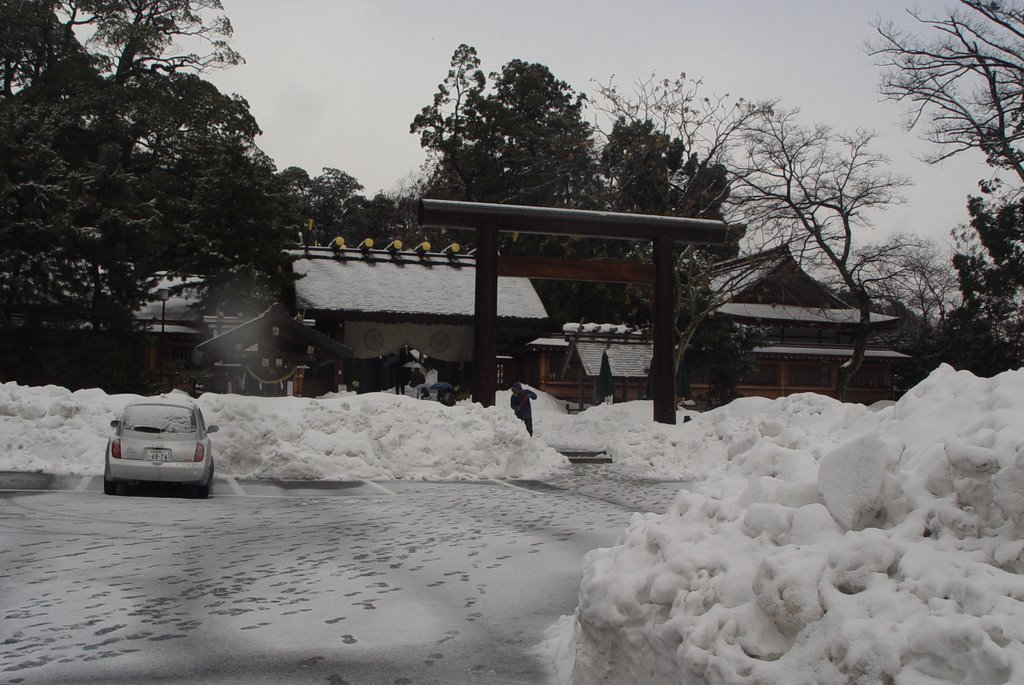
column 485, row 316
column 664, row 332
column 489, row 219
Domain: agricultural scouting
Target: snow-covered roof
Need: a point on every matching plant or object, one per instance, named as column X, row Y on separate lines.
column 184, row 292
column 789, row 314
column 276, row 322
column 156, row 327
column 584, row 328
column 627, row 360
column 406, row 287
column 825, row 351
column 548, row 342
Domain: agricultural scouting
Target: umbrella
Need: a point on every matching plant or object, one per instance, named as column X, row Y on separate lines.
column 412, row 365
column 442, row 386
column 605, row 385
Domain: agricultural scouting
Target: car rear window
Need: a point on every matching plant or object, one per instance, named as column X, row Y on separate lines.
column 153, row 418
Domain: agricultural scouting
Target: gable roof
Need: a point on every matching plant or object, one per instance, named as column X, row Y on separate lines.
column 627, row 360
column 737, row 274
column 770, row 287
column 772, row 276
column 379, row 282
column 254, row 330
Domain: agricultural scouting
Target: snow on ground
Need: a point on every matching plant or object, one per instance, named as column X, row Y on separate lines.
column 821, row 543
column 817, row 542
column 339, row 437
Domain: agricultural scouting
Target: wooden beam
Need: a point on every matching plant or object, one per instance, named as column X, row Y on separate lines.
column 575, row 270
column 576, row 222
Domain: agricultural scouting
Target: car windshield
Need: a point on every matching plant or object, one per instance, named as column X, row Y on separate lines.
column 155, row 418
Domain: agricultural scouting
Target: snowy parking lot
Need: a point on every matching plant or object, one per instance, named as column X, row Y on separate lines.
column 276, row 582
column 380, row 538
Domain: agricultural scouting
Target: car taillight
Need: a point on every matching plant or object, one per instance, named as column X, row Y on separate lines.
column 115, row 449
column 200, row 452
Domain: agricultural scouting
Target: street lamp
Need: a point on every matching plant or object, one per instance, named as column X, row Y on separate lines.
column 164, row 294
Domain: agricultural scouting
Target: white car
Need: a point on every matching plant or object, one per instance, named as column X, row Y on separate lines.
column 160, row 439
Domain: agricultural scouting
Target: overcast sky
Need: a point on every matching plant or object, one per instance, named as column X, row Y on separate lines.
column 337, row 83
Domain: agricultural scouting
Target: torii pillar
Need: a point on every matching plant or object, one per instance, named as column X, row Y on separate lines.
column 488, row 220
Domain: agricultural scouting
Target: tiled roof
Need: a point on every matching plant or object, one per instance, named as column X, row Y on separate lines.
column 835, row 352
column 736, row 275
column 788, row 314
column 627, row 360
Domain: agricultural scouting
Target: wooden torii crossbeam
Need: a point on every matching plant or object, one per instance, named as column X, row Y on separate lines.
column 490, row 219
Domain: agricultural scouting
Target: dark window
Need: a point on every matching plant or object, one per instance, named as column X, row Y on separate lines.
column 809, row 375
column 868, row 377
column 177, row 351
column 767, row 374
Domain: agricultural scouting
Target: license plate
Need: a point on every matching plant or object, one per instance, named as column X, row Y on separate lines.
column 156, row 454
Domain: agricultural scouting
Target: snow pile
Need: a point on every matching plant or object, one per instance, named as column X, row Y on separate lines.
column 341, row 437
column 626, row 431
column 824, row 543
column 818, row 542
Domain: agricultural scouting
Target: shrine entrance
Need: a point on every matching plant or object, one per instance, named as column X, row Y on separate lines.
column 488, row 220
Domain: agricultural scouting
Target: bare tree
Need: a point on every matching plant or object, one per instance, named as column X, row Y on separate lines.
column 703, row 125
column 966, row 80
column 814, row 188
column 911, row 274
column 701, row 128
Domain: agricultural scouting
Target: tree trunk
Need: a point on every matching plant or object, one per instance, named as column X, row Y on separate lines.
column 860, row 343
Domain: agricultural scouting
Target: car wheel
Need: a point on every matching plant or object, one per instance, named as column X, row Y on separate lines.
column 203, row 491
column 109, row 486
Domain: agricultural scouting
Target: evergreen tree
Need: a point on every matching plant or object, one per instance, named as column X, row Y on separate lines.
column 990, row 267
column 119, row 162
column 519, row 140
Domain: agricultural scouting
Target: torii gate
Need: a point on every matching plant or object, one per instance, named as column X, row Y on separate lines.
column 490, row 219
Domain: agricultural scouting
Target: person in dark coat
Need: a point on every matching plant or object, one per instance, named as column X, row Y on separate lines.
column 402, row 371
column 520, row 403
column 416, row 381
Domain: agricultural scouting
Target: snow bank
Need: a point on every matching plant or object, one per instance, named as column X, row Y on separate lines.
column 342, row 437
column 818, row 542
column 822, row 543
column 626, row 431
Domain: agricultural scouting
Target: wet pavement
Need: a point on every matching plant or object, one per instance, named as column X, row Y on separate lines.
column 313, row 582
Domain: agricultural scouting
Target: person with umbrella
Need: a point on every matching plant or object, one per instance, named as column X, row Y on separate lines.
column 417, row 380
column 403, row 366
column 520, row 403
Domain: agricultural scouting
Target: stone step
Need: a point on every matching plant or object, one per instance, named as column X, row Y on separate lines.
column 586, row 456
